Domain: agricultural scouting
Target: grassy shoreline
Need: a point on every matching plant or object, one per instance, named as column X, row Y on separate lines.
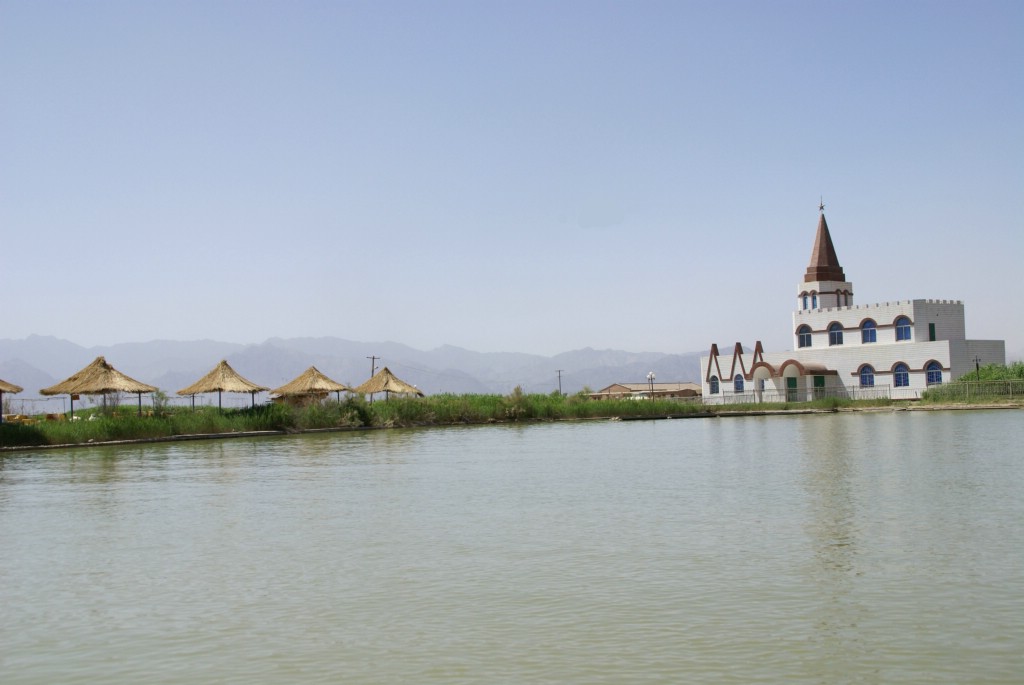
column 123, row 425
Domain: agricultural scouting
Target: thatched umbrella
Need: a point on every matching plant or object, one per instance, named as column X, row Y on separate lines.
column 222, row 379
column 99, row 378
column 386, row 382
column 7, row 387
column 311, row 383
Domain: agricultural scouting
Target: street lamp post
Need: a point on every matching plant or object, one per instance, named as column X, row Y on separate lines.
column 650, row 381
column 977, row 367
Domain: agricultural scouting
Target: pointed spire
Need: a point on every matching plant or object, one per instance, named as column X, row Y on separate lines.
column 824, row 264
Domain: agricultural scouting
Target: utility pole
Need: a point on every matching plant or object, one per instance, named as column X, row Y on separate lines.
column 373, row 370
column 559, row 381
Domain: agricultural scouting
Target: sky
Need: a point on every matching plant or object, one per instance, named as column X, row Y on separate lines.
column 503, row 176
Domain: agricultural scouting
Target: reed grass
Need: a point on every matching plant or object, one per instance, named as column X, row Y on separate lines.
column 123, row 423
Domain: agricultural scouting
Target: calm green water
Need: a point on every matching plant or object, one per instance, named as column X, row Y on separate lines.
column 867, row 548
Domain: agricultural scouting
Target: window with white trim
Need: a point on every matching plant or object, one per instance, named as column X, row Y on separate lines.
column 868, row 332
column 903, row 328
column 901, row 376
column 803, row 336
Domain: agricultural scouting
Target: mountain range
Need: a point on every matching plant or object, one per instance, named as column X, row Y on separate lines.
column 40, row 361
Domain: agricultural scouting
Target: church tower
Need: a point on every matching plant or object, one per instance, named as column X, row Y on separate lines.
column 824, row 284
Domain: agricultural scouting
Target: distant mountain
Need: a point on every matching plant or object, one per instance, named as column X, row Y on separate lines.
column 29, row 377
column 39, row 361
column 51, row 355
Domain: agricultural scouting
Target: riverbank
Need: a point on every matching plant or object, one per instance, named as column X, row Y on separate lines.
column 123, row 426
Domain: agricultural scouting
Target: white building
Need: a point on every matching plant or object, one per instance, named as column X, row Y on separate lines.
column 891, row 349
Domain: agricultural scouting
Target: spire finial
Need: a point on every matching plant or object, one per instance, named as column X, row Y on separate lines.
column 821, row 204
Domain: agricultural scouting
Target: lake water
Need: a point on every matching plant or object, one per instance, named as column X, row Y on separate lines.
column 849, row 548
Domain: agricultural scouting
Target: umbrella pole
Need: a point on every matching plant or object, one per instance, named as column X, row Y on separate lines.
column 140, row 404
column 220, row 407
column 72, row 407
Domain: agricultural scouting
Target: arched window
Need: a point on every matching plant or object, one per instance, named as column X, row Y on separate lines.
column 803, row 336
column 714, row 385
column 933, row 373
column 814, row 300
column 901, row 376
column 805, row 301
column 903, row 328
column 737, row 383
column 868, row 332
column 867, row 376
column 835, row 334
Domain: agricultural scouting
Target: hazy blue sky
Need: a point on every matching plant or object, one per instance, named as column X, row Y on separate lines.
column 502, row 176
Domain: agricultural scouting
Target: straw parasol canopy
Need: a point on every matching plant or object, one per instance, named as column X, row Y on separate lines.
column 311, row 383
column 7, row 387
column 386, row 382
column 98, row 378
column 222, row 379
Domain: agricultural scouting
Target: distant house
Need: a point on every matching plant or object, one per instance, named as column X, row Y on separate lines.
column 620, row 391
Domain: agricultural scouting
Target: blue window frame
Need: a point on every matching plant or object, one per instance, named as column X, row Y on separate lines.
column 714, row 385
column 867, row 376
column 737, row 383
column 903, row 328
column 933, row 373
column 901, row 376
column 814, row 300
column 868, row 332
column 835, row 334
column 805, row 302
column 803, row 336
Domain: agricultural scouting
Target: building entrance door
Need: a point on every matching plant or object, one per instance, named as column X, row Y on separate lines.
column 791, row 389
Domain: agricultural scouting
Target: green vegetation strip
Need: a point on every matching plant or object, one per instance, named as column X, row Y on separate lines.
column 123, row 424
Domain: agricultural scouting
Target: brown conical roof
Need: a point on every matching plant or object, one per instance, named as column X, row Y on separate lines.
column 824, row 264
column 385, row 381
column 222, row 379
column 10, row 387
column 97, row 378
column 310, row 382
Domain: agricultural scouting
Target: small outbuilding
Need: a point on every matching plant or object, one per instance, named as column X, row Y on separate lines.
column 624, row 391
